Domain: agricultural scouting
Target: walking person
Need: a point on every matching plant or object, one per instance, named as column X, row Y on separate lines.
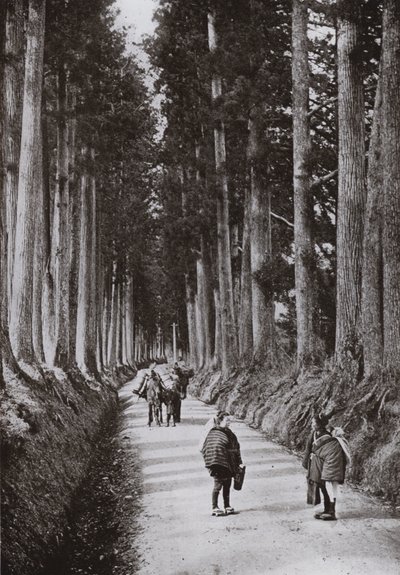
column 221, row 453
column 153, row 395
column 325, row 459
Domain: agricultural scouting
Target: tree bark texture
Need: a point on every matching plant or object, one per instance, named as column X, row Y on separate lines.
column 118, row 328
column 62, row 235
column 228, row 326
column 351, row 184
column 91, row 327
column 200, row 313
column 38, row 266
column 107, row 294
column 372, row 279
column 391, row 181
column 205, row 272
column 191, row 322
column 246, row 322
column 74, row 221
column 21, row 309
column 3, row 212
column 99, row 315
column 260, row 242
column 48, row 300
column 13, row 92
column 236, row 275
column 207, row 301
column 302, row 193
column 217, row 337
column 112, row 331
column 85, row 341
column 130, row 321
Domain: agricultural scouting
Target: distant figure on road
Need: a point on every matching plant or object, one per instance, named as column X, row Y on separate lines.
column 183, row 373
column 221, row 453
column 325, row 459
column 153, row 395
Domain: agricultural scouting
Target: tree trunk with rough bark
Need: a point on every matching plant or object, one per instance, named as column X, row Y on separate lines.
column 107, row 294
column 246, row 322
column 129, row 322
column 13, row 92
column 48, row 299
column 351, row 184
column 21, row 307
column 38, row 266
column 208, row 302
column 204, row 282
column 217, row 336
column 61, row 236
column 200, row 312
column 74, row 221
column 391, row 182
column 260, row 243
column 302, row 193
column 99, row 315
column 191, row 322
column 120, row 323
column 229, row 345
column 112, row 330
column 372, row 281
column 3, row 207
column 86, row 325
column 91, row 327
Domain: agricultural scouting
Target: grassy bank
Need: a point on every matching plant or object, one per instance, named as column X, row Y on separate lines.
column 48, row 429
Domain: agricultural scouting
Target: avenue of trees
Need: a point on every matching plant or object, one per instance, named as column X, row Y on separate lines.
column 280, row 179
column 77, row 162
column 263, row 221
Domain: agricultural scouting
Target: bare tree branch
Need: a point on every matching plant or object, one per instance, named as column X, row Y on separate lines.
column 324, row 179
column 284, row 220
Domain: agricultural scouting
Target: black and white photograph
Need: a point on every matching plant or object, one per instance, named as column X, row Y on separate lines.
column 200, row 287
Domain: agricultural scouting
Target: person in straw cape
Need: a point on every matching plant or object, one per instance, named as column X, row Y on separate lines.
column 221, row 452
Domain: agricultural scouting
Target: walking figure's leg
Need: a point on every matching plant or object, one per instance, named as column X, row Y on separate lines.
column 160, row 412
column 226, row 492
column 329, row 513
column 214, row 497
column 178, row 410
column 157, row 415
column 327, row 501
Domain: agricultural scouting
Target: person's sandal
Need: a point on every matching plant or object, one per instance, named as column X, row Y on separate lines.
column 229, row 510
column 217, row 512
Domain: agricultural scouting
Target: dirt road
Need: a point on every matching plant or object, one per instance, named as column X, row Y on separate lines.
column 274, row 531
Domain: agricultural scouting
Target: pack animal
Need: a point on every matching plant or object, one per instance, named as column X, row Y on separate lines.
column 154, row 398
column 170, row 397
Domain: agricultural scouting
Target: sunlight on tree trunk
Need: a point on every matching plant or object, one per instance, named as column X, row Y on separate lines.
column 372, row 284
column 351, row 190
column 391, row 182
column 260, row 243
column 303, row 197
column 226, row 305
column 13, row 93
column 21, row 307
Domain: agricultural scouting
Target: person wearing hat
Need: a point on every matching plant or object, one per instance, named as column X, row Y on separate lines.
column 221, row 452
column 325, row 461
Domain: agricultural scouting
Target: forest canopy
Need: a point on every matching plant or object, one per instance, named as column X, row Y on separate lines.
column 260, row 221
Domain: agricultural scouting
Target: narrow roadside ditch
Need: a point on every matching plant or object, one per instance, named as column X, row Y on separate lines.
column 103, row 516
